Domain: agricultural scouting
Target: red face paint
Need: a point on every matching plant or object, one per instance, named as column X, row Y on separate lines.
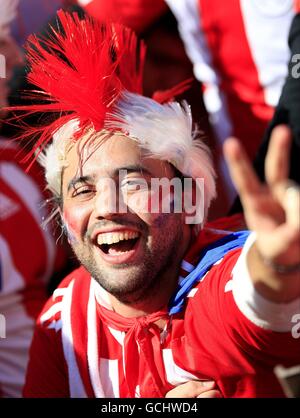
column 74, row 221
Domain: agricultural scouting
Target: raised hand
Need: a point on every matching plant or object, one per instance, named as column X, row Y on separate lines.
column 272, row 209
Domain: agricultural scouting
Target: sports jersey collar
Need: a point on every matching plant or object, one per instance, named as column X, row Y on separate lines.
column 208, row 255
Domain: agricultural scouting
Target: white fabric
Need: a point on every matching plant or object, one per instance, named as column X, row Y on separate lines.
column 270, row 52
column 14, row 348
column 76, row 386
column 175, row 374
column 106, row 372
column 260, row 311
column 12, row 279
column 92, row 348
column 30, row 195
column 189, row 26
column 84, row 2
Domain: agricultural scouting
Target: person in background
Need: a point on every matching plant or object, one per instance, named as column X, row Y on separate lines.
column 241, row 58
column 28, row 254
column 287, row 112
column 288, row 108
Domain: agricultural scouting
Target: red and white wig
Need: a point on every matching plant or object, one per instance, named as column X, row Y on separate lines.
column 91, row 75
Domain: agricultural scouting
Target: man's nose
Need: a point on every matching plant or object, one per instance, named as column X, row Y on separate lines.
column 107, row 202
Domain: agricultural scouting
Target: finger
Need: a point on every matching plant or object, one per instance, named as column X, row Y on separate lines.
column 240, row 168
column 190, row 389
column 292, row 206
column 211, row 394
column 282, row 246
column 278, row 155
column 287, row 193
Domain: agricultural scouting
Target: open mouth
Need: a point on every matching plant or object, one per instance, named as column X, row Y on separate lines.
column 118, row 243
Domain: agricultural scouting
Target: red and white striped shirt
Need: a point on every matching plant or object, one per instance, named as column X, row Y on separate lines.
column 237, row 48
column 27, row 254
column 82, row 348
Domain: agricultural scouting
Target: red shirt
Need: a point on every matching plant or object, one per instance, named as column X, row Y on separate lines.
column 81, row 348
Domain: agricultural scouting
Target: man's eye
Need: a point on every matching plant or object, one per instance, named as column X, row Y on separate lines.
column 134, row 185
column 81, row 191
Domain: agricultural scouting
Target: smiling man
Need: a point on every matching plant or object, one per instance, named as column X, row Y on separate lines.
column 130, row 254
column 158, row 300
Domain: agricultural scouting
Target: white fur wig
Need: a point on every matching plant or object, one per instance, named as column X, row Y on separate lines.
column 163, row 131
column 53, row 158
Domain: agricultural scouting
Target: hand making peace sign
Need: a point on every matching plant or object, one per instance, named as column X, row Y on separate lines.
column 272, row 210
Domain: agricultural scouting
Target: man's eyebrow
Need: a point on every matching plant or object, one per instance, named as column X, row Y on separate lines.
column 80, row 179
column 129, row 169
column 133, row 169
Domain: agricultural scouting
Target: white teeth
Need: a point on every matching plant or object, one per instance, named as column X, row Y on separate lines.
column 109, row 239
column 115, row 237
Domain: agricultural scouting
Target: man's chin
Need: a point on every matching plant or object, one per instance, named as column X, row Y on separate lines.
column 127, row 283
column 128, row 293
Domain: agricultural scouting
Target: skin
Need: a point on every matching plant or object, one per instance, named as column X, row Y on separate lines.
column 195, row 389
column 145, row 284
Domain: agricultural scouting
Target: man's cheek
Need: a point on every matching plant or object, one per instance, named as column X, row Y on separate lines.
column 152, row 208
column 73, row 224
column 151, row 202
column 139, row 203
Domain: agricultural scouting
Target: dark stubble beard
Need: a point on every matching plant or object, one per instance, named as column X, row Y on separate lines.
column 144, row 280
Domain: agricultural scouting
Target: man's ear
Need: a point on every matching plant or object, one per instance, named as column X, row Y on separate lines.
column 63, row 223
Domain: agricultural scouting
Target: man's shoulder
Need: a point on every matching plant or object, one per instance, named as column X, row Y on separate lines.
column 79, row 274
column 212, row 289
column 208, row 263
column 50, row 317
column 222, row 269
column 217, row 260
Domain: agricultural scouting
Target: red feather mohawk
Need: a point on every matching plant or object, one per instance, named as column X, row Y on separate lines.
column 80, row 72
column 91, row 76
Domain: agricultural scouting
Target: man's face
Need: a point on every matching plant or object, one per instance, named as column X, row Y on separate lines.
column 128, row 252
